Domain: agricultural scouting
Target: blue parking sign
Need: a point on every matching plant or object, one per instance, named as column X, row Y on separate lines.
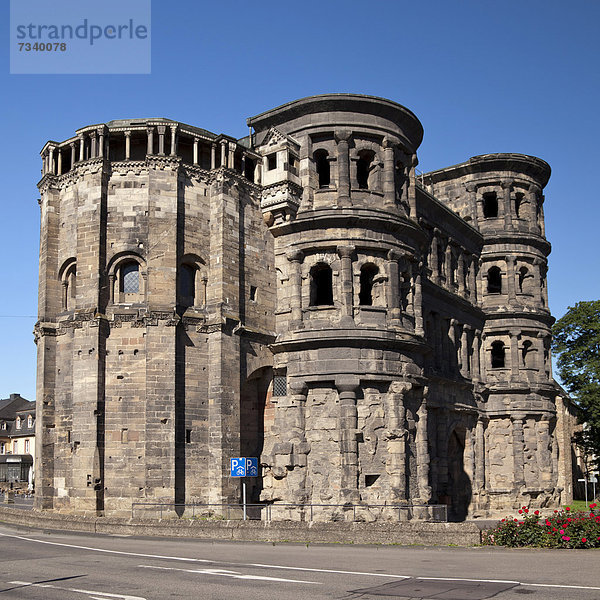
column 252, row 467
column 238, row 467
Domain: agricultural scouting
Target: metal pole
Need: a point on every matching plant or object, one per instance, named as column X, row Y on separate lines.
column 244, row 496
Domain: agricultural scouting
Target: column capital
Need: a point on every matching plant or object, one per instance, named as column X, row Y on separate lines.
column 150, row 128
column 342, row 135
column 127, row 133
column 295, row 256
column 470, row 187
column 297, row 387
column 394, row 255
column 347, row 384
column 388, row 143
column 345, row 251
column 506, row 184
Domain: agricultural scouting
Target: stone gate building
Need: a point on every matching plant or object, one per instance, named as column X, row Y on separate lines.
column 300, row 295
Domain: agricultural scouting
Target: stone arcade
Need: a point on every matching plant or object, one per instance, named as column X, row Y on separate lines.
column 300, row 295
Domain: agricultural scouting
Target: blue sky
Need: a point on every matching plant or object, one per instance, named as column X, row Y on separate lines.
column 481, row 76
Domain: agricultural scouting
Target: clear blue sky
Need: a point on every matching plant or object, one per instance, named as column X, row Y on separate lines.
column 482, row 76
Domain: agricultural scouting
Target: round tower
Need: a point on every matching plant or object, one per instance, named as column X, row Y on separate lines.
column 340, row 203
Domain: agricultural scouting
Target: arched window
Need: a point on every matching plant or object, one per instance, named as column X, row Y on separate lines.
column 367, row 273
column 70, row 285
column 524, row 280
column 130, row 278
column 363, row 168
column 498, row 355
column 321, row 285
column 494, row 281
column 187, row 285
column 518, row 202
column 18, row 423
column 321, row 158
column 527, row 353
column 490, row 205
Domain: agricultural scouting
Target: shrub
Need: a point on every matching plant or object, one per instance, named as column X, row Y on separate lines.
column 563, row 529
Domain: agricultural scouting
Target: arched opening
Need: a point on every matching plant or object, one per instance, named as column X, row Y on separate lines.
column 130, row 278
column 518, row 203
column 459, row 483
column 498, row 355
column 70, row 287
column 527, row 353
column 321, row 158
column 363, row 168
column 494, row 281
column 256, row 415
column 367, row 273
column 490, row 205
column 187, row 285
column 321, row 285
column 523, row 280
column 249, row 169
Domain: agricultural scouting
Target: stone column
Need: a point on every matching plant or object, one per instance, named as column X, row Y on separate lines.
column 537, row 279
column 51, row 161
column 231, row 156
column 514, row 356
column 451, row 355
column 518, row 440
column 476, row 367
column 479, row 478
column 101, row 143
column 195, row 151
column 448, row 264
column 173, row 140
column 296, row 427
column 223, row 154
column 422, row 451
column 348, row 443
column 393, row 286
column 533, row 201
column 342, row 139
column 473, row 278
column 81, row 147
column 389, row 173
column 544, row 452
column 396, row 435
column 508, row 217
column 434, row 254
column 296, row 257
column 161, row 139
column 93, row 151
column 418, row 303
column 213, row 155
column 410, row 191
column 128, row 145
column 464, row 352
column 510, row 278
column 59, row 165
column 345, row 253
column 150, row 137
column 473, row 204
column 73, row 154
column 461, row 274
column 442, row 445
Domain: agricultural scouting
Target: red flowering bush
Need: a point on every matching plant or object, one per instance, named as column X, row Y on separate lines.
column 564, row 529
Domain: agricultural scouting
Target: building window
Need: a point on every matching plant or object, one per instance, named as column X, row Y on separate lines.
column 525, row 280
column 490, row 205
column 252, row 293
column 272, row 161
column 321, row 158
column 527, row 353
column 18, row 423
column 321, row 285
column 27, row 449
column 130, row 278
column 368, row 272
column 494, row 281
column 363, row 168
column 4, row 426
column 279, row 385
column 292, row 164
column 29, row 422
column 16, row 447
column 2, row 448
column 518, row 203
column 187, row 285
column 498, row 355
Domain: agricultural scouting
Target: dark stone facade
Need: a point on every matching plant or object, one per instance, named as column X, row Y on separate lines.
column 299, row 295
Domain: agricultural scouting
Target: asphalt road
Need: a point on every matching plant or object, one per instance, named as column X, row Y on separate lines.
column 50, row 565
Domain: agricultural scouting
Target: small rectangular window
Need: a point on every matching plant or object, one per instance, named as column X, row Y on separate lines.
column 188, row 436
column 279, row 385
column 253, row 293
column 272, row 161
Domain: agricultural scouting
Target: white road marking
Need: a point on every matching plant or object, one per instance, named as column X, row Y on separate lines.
column 327, row 571
column 202, row 560
column 226, row 573
column 93, row 594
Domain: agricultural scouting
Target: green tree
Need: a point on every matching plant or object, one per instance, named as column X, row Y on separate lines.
column 577, row 347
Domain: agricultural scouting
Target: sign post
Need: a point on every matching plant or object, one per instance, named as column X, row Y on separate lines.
column 243, row 467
